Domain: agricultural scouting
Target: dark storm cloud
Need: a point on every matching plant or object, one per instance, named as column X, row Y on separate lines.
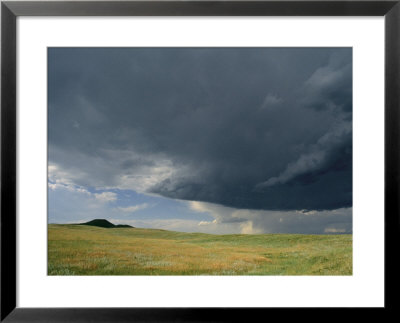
column 247, row 128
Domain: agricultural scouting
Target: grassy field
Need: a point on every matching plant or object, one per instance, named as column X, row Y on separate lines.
column 88, row 250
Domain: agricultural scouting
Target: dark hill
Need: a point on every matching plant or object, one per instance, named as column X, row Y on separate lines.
column 123, row 226
column 105, row 224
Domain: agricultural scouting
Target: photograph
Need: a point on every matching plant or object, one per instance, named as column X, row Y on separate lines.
column 200, row 161
column 191, row 161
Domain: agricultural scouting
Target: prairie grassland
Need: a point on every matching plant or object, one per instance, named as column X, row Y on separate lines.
column 88, row 250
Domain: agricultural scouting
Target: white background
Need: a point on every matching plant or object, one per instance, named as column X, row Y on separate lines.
column 364, row 288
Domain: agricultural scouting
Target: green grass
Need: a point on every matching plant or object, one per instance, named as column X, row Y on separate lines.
column 89, row 250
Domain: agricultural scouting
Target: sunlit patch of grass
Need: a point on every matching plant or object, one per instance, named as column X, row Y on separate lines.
column 86, row 250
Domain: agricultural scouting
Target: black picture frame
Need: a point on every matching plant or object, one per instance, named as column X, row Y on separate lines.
column 10, row 10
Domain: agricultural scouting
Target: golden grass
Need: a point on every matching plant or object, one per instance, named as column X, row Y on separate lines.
column 86, row 250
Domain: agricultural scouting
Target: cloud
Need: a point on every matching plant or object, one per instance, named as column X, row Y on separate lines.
column 248, row 228
column 106, row 197
column 133, row 208
column 320, row 157
column 260, row 221
column 247, row 128
column 270, row 101
column 108, row 168
column 220, row 213
column 335, row 230
column 181, row 225
column 71, row 204
column 330, row 86
column 208, row 222
column 71, row 188
column 305, row 163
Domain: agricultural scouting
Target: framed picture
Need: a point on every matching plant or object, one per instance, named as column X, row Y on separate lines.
column 174, row 160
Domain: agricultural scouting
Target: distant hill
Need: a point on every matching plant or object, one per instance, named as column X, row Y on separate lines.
column 103, row 223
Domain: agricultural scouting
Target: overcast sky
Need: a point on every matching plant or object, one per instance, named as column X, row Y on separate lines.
column 218, row 140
